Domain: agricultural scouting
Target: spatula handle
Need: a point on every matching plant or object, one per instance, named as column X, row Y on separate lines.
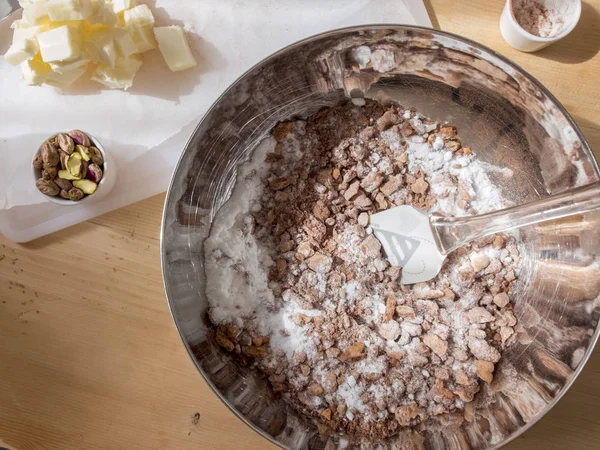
column 454, row 232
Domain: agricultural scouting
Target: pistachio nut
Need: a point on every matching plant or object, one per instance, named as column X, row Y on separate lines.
column 38, row 162
column 64, row 194
column 80, row 137
column 50, row 156
column 88, row 187
column 66, row 175
column 66, row 143
column 84, row 152
column 64, row 157
column 94, row 173
column 96, row 156
column 76, row 194
column 74, row 164
column 84, row 169
column 65, row 185
column 47, row 187
column 50, row 173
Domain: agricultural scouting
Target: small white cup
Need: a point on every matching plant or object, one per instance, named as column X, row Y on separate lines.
column 569, row 12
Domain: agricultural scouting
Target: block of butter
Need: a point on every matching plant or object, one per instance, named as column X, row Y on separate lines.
column 21, row 51
column 122, row 5
column 34, row 72
column 59, row 44
column 142, row 38
column 62, row 10
column 100, row 45
column 66, row 79
column 34, row 12
column 119, row 77
column 102, row 15
column 125, row 45
column 174, row 48
column 139, row 16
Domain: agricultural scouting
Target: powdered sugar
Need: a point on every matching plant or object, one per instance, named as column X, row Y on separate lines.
column 235, row 262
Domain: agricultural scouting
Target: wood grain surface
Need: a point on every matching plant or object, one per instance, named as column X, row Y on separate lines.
column 89, row 355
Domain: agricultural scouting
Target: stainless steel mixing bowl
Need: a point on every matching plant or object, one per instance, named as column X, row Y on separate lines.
column 504, row 114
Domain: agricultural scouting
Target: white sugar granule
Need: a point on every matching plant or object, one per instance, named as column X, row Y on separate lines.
column 435, row 161
column 349, row 391
column 236, row 279
column 285, row 334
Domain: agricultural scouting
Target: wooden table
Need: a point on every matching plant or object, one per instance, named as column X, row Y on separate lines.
column 89, row 355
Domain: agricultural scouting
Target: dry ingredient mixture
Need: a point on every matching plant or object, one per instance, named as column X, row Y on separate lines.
column 541, row 19
column 299, row 287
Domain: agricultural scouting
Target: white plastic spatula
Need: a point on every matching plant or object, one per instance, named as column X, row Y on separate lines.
column 419, row 243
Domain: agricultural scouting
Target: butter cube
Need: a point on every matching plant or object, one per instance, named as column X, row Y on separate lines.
column 108, row 54
column 25, row 3
column 102, row 14
column 100, row 45
column 34, row 12
column 140, row 16
column 174, row 48
column 121, row 77
column 125, row 45
column 25, row 33
column 20, row 23
column 21, row 51
column 62, row 10
column 34, row 72
column 122, row 5
column 142, row 38
column 69, row 66
column 66, row 79
column 60, row 44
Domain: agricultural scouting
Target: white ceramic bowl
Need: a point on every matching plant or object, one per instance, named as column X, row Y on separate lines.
column 519, row 38
column 106, row 183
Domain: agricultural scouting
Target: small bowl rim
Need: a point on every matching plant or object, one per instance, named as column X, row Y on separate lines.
column 37, row 173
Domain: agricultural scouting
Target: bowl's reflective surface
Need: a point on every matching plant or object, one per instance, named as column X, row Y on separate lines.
column 504, row 115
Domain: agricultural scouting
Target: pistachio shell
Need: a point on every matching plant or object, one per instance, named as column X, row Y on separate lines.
column 94, row 173
column 65, row 185
column 49, row 154
column 96, row 156
column 47, row 187
column 66, row 143
column 38, row 162
column 50, row 173
column 80, row 137
column 76, row 194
